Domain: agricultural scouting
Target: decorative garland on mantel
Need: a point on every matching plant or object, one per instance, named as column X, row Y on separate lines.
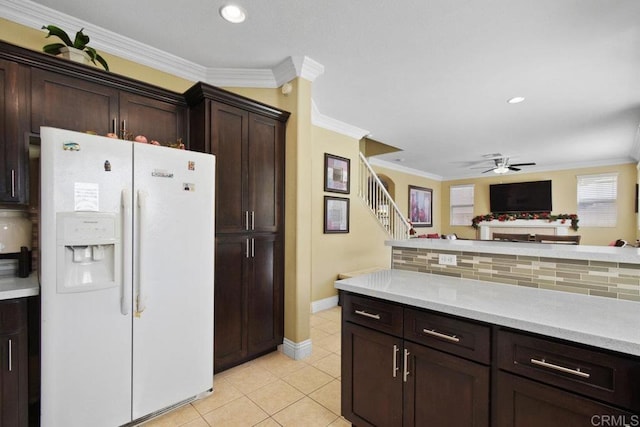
column 546, row 216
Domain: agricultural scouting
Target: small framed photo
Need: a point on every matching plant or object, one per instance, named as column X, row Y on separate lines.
column 420, row 206
column 336, row 173
column 336, row 215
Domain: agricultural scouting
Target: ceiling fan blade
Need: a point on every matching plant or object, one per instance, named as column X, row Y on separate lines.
column 488, row 170
column 513, row 169
column 523, row 164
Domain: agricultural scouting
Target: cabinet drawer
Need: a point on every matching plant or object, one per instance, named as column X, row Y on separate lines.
column 376, row 314
column 456, row 336
column 589, row 371
column 13, row 315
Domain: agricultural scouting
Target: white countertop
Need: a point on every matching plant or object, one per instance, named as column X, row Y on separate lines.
column 15, row 287
column 629, row 255
column 597, row 321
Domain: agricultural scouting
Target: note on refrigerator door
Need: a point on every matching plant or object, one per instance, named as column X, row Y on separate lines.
column 86, row 197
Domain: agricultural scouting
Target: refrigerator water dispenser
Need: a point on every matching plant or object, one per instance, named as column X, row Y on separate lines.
column 88, row 251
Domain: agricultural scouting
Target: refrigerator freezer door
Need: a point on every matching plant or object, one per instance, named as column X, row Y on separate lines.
column 86, row 340
column 173, row 276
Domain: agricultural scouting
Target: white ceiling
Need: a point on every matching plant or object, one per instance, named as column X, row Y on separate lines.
column 431, row 77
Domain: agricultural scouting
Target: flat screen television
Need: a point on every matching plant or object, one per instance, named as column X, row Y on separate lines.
column 534, row 196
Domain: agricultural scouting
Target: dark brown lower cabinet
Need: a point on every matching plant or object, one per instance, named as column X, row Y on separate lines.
column 526, row 403
column 407, row 366
column 389, row 381
column 14, row 396
column 248, row 298
column 371, row 384
column 444, row 390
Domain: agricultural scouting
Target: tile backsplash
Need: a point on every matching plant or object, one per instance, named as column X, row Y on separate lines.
column 598, row 278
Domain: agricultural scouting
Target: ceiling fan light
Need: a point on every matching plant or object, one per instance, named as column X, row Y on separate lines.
column 233, row 13
column 501, row 169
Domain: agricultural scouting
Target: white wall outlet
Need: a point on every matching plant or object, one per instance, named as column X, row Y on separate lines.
column 447, row 259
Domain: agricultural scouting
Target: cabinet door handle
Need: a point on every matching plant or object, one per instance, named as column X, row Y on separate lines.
column 253, row 220
column 113, row 126
column 10, row 356
column 365, row 314
column 253, row 248
column 246, row 220
column 246, row 250
column 13, row 183
column 395, row 360
column 405, row 374
column 123, row 131
column 555, row 367
column 432, row 332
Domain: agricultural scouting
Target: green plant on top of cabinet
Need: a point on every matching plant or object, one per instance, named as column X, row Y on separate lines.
column 13, row 125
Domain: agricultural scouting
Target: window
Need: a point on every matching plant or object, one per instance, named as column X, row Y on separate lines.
column 597, row 200
column 461, row 200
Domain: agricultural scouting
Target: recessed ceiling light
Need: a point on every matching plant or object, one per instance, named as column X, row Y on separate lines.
column 516, row 100
column 233, row 13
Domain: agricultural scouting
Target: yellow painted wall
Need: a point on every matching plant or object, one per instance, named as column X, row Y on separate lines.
column 564, row 193
column 363, row 247
column 402, row 181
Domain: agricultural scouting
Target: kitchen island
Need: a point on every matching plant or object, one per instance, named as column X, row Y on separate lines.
column 454, row 350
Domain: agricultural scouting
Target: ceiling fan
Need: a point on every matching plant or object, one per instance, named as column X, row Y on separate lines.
column 502, row 165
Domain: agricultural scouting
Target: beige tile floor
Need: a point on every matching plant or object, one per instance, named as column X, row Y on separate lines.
column 274, row 390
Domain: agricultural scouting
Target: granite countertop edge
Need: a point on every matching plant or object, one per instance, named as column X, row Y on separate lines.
column 600, row 322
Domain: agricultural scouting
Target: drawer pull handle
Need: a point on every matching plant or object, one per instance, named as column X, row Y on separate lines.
column 545, row 364
column 365, row 314
column 395, row 360
column 406, row 372
column 451, row 338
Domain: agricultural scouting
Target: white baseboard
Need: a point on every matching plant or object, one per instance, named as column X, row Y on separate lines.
column 324, row 304
column 297, row 350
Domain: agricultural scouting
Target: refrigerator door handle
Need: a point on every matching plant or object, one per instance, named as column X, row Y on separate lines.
column 142, row 296
column 127, row 241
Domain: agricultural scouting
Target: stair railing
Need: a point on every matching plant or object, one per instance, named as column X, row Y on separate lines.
column 380, row 203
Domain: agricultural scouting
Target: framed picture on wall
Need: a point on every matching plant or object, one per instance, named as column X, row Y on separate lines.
column 336, row 215
column 420, row 206
column 336, row 173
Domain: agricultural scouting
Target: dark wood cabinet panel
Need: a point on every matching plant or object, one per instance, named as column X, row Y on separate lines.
column 14, row 397
column 265, row 297
column 161, row 121
column 526, row 403
column 13, row 126
column 442, row 390
column 229, row 143
column 371, row 384
column 230, row 273
column 266, row 173
column 248, row 298
column 248, row 139
column 71, row 103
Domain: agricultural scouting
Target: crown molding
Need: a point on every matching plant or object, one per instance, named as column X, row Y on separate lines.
column 635, row 148
column 241, row 77
column 394, row 166
column 35, row 15
column 320, row 120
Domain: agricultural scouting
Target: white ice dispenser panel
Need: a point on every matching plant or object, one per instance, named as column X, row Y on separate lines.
column 88, row 251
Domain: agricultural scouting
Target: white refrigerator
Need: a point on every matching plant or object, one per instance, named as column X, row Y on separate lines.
column 126, row 241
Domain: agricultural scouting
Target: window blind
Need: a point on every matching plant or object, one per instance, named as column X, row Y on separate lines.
column 597, row 200
column 461, row 202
